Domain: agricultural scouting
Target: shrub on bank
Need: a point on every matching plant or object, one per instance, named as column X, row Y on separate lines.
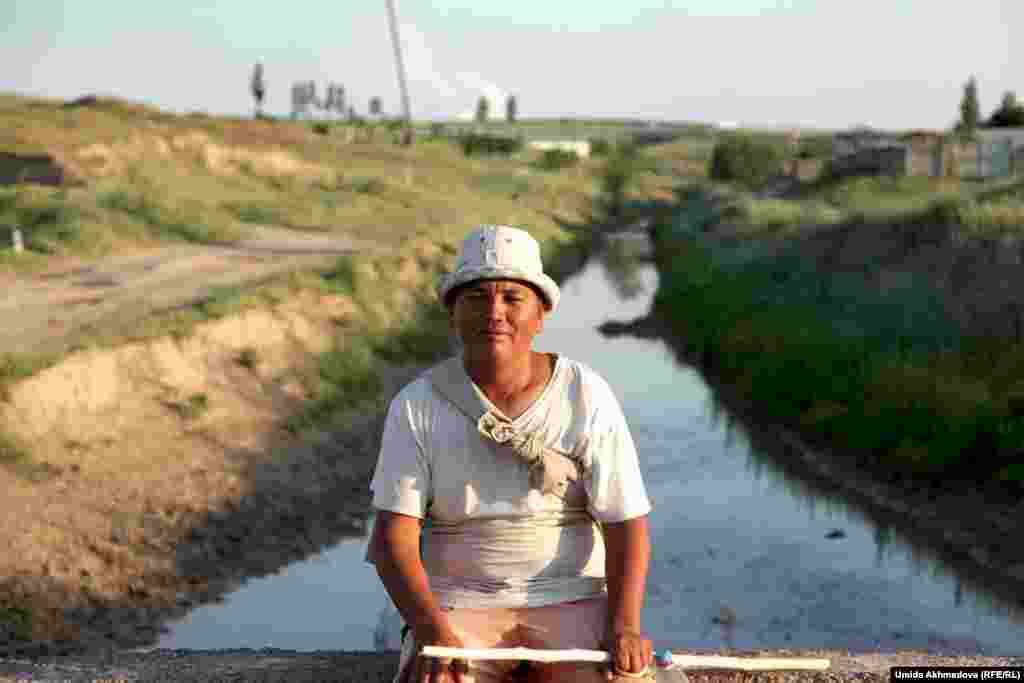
column 746, row 160
column 556, row 159
column 599, row 147
column 888, row 374
column 474, row 144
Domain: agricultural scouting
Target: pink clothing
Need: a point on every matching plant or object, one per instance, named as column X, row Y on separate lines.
column 567, row 626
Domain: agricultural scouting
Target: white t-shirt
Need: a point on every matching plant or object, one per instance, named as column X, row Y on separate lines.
column 491, row 540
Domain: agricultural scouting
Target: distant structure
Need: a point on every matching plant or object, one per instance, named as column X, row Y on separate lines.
column 303, row 97
column 988, row 153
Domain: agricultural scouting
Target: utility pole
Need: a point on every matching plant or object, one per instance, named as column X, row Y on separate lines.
column 408, row 136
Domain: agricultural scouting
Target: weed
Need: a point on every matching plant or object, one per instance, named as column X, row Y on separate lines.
column 252, row 213
column 193, row 407
column 18, row 460
column 342, row 279
column 248, row 358
column 15, row 367
column 599, row 147
column 486, row 144
column 421, row 340
column 19, row 622
column 556, row 160
column 371, row 186
column 345, row 378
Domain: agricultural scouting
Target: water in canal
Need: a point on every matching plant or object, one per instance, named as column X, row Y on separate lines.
column 744, row 556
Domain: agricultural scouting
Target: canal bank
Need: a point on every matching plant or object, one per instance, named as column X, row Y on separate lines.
column 271, row 446
column 972, row 524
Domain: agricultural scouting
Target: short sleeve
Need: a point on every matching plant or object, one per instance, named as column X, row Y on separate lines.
column 401, row 481
column 613, row 480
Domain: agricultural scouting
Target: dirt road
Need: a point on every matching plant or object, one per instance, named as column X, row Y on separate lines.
column 43, row 312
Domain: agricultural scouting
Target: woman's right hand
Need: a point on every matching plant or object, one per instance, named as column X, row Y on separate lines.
column 433, row 669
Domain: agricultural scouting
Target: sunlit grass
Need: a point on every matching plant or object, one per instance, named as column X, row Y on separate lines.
column 886, row 372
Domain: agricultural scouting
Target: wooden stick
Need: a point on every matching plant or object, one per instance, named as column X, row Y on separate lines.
column 684, row 661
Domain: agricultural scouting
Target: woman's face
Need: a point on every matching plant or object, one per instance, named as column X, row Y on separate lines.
column 497, row 318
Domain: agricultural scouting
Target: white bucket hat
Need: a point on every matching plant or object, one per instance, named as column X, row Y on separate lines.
column 499, row 252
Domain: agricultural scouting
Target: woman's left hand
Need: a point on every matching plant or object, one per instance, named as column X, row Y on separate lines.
column 630, row 654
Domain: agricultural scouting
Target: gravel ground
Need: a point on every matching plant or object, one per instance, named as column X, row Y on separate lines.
column 207, row 666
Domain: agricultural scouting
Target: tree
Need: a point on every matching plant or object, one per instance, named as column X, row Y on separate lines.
column 1010, row 113
column 511, row 109
column 258, row 88
column 482, row 109
column 970, row 110
column 375, row 106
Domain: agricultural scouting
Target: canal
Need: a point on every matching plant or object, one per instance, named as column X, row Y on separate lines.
column 746, row 555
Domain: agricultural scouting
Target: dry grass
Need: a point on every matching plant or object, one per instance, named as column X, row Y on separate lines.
column 152, row 177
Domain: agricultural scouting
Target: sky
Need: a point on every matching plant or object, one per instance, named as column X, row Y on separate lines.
column 803, row 63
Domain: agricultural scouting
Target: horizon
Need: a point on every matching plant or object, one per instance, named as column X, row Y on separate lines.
column 764, row 64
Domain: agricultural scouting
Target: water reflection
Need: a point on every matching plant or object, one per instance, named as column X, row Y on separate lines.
column 622, row 258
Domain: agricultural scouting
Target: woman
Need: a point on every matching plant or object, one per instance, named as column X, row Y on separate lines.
column 522, row 467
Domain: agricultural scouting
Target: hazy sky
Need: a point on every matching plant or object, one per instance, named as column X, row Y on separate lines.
column 825, row 63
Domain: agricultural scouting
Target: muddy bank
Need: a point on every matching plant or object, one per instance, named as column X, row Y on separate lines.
column 270, row 665
column 974, row 529
column 155, row 502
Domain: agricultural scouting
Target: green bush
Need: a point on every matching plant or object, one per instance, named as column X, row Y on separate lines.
column 746, row 160
column 599, row 147
column 619, row 173
column 489, row 145
column 46, row 221
column 556, row 159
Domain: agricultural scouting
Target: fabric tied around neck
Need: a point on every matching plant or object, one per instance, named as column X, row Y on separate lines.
column 550, row 470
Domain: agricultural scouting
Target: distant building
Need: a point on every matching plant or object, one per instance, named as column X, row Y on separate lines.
column 989, row 153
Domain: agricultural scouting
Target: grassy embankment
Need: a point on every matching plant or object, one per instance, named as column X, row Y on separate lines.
column 151, row 178
column 880, row 317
